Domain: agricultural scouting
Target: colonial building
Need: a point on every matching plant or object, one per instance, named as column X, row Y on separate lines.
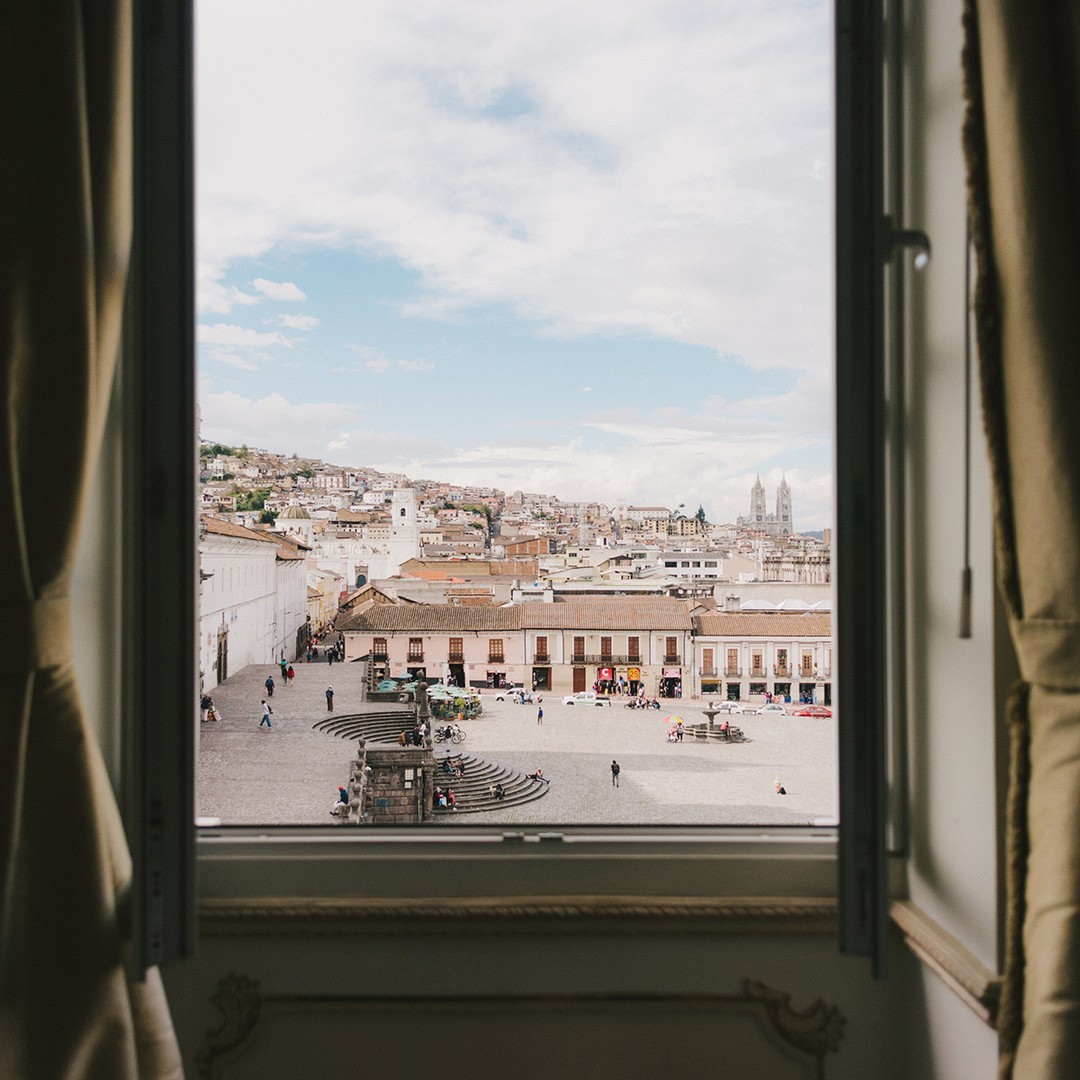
column 740, row 655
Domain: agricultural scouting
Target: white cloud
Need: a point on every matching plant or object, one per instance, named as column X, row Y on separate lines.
column 233, row 360
column 214, row 298
column 238, row 336
column 279, row 290
column 415, row 365
column 378, row 365
column 298, row 322
column 661, row 178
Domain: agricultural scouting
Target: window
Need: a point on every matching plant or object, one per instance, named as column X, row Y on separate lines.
column 378, row 649
column 661, row 650
column 541, row 650
column 416, row 648
column 456, row 650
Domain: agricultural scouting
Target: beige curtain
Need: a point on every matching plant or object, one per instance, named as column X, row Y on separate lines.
column 1023, row 146
column 67, row 1007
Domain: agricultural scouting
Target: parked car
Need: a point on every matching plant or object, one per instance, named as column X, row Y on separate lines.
column 813, row 710
column 514, row 693
column 774, row 708
column 732, row 707
column 586, row 697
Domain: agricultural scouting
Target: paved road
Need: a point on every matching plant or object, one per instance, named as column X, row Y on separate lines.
column 289, row 775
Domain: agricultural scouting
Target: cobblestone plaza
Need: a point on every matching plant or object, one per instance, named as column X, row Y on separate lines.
column 288, row 774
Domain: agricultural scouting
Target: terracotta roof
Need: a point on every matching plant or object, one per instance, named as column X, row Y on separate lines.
column 608, row 613
column 429, row 618
column 221, row 527
column 763, row 624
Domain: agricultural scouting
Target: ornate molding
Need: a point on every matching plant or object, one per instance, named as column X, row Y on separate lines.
column 302, row 917
column 974, row 983
column 816, row 1030
column 812, row 1033
column 239, row 1000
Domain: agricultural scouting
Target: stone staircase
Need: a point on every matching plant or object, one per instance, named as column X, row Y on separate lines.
column 382, row 726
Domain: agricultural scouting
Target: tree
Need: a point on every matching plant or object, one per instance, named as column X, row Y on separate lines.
column 700, row 515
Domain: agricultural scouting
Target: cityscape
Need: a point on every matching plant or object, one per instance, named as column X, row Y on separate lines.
column 481, row 608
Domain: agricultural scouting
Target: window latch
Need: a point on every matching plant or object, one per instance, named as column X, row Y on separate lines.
column 915, row 239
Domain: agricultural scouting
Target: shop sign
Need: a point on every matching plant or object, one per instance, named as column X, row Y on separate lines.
column 672, row 673
column 633, row 674
column 606, row 673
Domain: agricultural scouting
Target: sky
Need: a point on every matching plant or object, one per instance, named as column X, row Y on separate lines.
column 574, row 248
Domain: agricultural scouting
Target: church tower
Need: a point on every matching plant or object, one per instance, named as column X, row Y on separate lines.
column 757, row 505
column 784, row 524
column 404, row 527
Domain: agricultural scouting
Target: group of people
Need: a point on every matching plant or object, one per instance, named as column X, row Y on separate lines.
column 453, row 765
column 446, row 799
column 334, row 650
column 415, row 737
column 770, row 697
column 620, row 685
column 643, row 703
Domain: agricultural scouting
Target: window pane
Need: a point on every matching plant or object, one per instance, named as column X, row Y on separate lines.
column 514, row 354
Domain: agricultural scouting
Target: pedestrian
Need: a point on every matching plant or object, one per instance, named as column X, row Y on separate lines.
column 341, row 804
column 329, row 699
column 329, row 656
column 540, row 714
column 284, row 667
column 290, row 675
column 266, row 711
column 780, row 789
column 205, row 706
column 269, row 684
column 615, row 773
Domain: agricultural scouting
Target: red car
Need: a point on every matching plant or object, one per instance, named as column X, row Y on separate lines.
column 814, row 710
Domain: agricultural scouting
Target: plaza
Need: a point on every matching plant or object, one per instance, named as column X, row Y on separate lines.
column 288, row 774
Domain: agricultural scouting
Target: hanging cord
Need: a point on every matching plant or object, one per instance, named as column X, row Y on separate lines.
column 965, row 576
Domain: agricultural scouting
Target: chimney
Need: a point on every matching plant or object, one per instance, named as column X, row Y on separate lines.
column 732, row 602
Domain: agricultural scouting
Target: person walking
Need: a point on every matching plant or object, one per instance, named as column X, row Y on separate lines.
column 289, row 676
column 540, row 714
column 205, row 705
column 614, row 773
column 266, row 711
column 283, row 664
column 329, row 699
column 269, row 684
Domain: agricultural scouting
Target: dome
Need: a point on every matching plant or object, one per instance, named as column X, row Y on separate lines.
column 294, row 512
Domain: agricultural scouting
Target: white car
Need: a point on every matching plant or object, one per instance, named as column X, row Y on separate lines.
column 514, row 693
column 772, row 709
column 731, row 707
column 586, row 697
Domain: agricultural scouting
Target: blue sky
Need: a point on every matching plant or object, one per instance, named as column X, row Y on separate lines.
column 583, row 250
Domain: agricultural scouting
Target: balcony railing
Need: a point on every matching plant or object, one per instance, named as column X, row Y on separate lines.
column 496, row 658
column 757, row 673
column 733, row 673
column 782, row 672
column 675, row 658
column 708, row 673
column 415, row 658
column 455, row 658
column 541, row 658
column 379, row 654
column 606, row 659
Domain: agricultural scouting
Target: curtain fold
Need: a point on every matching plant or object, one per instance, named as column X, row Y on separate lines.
column 1022, row 140
column 67, row 1006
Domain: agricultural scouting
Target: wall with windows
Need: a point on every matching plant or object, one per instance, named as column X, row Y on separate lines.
column 909, row 1026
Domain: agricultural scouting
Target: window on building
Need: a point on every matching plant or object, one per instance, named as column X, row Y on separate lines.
column 416, row 648
column 456, row 649
column 495, row 651
column 378, row 648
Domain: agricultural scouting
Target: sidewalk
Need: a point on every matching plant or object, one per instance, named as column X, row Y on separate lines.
column 287, row 774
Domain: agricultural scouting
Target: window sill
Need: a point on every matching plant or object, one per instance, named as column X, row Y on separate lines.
column 343, row 881
column 975, row 984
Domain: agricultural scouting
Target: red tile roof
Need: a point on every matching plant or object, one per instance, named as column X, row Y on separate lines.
column 744, row 624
